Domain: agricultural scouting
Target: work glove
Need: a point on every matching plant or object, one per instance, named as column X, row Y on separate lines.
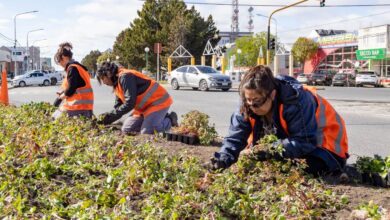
column 273, row 153
column 262, row 155
column 217, row 164
column 57, row 102
column 104, row 119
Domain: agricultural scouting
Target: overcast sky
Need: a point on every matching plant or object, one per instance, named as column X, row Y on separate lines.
column 94, row 24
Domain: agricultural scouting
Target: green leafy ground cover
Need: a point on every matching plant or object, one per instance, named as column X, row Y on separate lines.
column 73, row 169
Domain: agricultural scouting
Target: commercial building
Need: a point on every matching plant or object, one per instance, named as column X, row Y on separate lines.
column 336, row 52
column 374, row 48
column 5, row 58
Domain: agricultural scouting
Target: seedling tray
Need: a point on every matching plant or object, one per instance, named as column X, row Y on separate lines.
column 375, row 179
column 186, row 139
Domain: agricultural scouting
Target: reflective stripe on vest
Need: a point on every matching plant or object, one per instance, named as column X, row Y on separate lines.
column 331, row 133
column 83, row 91
column 155, row 97
column 83, row 97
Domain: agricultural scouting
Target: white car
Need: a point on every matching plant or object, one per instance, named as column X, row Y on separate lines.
column 32, row 78
column 55, row 77
column 367, row 78
column 304, row 78
column 199, row 77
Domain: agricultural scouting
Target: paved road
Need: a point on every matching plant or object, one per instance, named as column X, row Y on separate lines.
column 366, row 111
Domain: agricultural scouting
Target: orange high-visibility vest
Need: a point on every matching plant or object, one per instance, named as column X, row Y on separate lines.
column 83, row 98
column 252, row 121
column 331, row 131
column 155, row 98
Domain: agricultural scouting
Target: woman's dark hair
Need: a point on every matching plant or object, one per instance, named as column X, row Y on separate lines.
column 109, row 70
column 65, row 49
column 259, row 78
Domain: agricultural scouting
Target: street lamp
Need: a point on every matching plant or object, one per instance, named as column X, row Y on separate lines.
column 146, row 57
column 33, row 52
column 27, row 49
column 27, row 12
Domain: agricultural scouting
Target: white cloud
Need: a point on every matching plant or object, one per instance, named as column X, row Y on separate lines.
column 96, row 24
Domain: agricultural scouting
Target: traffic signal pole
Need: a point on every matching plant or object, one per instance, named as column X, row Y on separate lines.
column 269, row 28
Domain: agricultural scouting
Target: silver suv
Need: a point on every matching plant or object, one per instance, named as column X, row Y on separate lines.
column 367, row 78
column 199, row 77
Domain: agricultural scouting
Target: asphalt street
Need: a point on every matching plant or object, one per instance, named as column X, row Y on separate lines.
column 366, row 111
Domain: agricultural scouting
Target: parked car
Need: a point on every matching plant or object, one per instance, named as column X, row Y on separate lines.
column 55, row 77
column 322, row 77
column 31, row 78
column 304, row 78
column 343, row 79
column 1, row 79
column 199, row 77
column 367, row 78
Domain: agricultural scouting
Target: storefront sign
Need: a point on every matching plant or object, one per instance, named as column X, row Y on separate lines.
column 371, row 54
column 348, row 39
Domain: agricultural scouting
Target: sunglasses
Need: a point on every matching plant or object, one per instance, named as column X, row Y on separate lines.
column 258, row 104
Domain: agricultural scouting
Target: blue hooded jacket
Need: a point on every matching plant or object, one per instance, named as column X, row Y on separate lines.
column 299, row 112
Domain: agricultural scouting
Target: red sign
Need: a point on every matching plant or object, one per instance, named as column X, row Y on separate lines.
column 157, row 48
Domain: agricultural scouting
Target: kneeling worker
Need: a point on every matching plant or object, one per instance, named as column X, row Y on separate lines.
column 149, row 101
column 306, row 124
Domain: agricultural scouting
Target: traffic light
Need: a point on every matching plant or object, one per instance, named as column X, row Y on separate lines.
column 322, row 3
column 272, row 44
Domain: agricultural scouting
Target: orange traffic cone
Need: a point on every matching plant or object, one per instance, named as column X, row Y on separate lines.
column 4, row 89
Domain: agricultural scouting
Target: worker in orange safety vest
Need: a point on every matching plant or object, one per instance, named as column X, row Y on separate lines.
column 77, row 96
column 306, row 124
column 147, row 101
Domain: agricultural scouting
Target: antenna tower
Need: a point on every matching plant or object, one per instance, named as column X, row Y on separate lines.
column 234, row 27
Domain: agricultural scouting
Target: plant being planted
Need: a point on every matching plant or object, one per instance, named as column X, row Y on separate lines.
column 196, row 123
column 375, row 168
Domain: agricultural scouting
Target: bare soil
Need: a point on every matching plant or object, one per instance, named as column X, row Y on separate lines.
column 357, row 193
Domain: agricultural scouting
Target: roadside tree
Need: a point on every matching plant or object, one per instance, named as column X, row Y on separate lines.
column 158, row 22
column 107, row 55
column 250, row 48
column 90, row 60
column 303, row 49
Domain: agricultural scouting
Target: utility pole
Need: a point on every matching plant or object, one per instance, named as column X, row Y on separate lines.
column 269, row 28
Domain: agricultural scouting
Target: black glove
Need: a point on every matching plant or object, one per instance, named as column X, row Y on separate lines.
column 104, row 119
column 217, row 164
column 57, row 102
column 262, row 155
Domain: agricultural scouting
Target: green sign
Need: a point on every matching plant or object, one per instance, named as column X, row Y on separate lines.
column 372, row 54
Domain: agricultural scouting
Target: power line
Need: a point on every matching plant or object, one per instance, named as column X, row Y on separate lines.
column 6, row 38
column 299, row 6
column 335, row 22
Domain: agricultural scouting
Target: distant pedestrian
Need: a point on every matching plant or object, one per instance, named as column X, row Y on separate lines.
column 77, row 93
column 148, row 101
column 306, row 124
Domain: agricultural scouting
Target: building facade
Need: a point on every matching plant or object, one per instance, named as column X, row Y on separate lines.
column 5, row 58
column 45, row 64
column 336, row 52
column 374, row 48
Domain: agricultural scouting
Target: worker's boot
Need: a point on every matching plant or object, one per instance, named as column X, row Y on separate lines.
column 174, row 119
